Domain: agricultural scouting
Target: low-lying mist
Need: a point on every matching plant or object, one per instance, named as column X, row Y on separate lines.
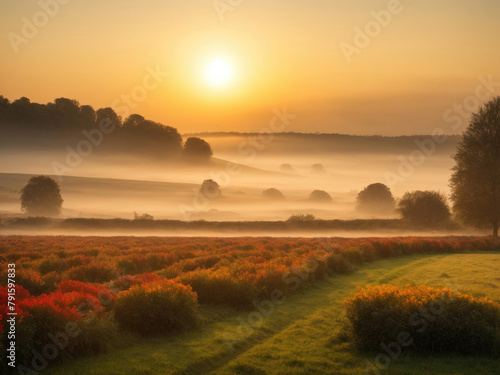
column 117, row 185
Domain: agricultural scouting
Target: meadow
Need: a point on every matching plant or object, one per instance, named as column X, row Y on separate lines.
column 151, row 305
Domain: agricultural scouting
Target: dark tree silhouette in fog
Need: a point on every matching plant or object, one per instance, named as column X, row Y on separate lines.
column 210, row 189
column 63, row 121
column 196, row 149
column 108, row 115
column 273, row 193
column 475, row 181
column 287, row 168
column 320, row 196
column 376, row 199
column 86, row 117
column 426, row 208
column 41, row 196
column 318, row 169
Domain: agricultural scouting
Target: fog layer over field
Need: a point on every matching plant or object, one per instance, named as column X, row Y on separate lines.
column 116, row 185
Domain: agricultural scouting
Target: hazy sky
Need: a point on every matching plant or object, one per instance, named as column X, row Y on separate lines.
column 283, row 53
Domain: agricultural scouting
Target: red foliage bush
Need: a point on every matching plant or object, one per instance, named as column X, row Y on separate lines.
column 96, row 293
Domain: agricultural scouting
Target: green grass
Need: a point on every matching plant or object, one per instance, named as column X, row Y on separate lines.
column 300, row 336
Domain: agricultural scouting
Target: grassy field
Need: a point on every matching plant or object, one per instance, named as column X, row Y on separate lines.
column 300, row 336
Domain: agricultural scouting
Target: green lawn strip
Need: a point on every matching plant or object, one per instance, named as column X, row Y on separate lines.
column 304, row 348
column 297, row 337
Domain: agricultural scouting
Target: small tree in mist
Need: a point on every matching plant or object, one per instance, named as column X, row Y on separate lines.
column 426, row 208
column 273, row 193
column 210, row 189
column 376, row 198
column 475, row 182
column 318, row 169
column 41, row 196
column 287, row 168
column 196, row 149
column 320, row 196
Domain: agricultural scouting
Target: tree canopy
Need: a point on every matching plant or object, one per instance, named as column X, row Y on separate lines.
column 475, row 181
column 197, row 149
column 376, row 199
column 426, row 208
column 210, row 189
column 63, row 120
column 273, row 193
column 41, row 196
column 320, row 196
column 318, row 169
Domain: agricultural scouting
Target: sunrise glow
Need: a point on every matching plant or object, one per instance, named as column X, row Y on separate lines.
column 219, row 73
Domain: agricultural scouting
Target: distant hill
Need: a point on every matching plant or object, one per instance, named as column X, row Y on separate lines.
column 320, row 143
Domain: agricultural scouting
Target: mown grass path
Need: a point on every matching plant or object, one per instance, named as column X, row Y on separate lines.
column 299, row 337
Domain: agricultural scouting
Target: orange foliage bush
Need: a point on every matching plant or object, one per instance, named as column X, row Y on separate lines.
column 127, row 281
column 437, row 320
column 155, row 308
column 220, row 287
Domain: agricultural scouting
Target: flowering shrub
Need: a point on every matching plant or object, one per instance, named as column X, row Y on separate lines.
column 31, row 280
column 21, row 294
column 49, row 314
column 127, row 281
column 24, row 334
column 96, row 295
column 51, row 264
column 40, row 316
column 437, row 320
column 51, row 281
column 220, row 288
column 68, row 286
column 268, row 278
column 338, row 264
column 93, row 272
column 155, row 308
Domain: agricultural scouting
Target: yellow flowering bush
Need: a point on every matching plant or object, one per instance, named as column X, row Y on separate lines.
column 431, row 320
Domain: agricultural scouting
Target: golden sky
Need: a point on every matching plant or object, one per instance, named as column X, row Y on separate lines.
column 428, row 56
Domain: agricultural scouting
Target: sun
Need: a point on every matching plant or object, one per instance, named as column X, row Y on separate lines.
column 219, row 73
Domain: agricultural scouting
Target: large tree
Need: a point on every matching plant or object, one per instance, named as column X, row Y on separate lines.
column 376, row 199
column 475, row 181
column 426, row 208
column 41, row 196
column 197, row 150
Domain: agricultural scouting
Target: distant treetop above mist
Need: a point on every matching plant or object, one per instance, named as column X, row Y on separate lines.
column 64, row 120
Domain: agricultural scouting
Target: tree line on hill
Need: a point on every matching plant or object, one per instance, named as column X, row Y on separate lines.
column 64, row 120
